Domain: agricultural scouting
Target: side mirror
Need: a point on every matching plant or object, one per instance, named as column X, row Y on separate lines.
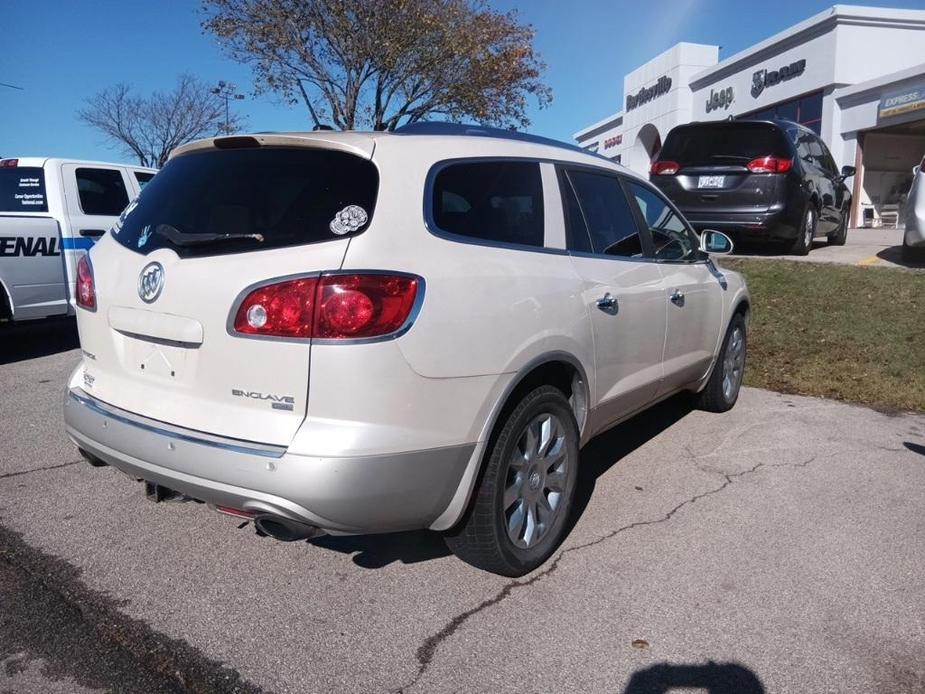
column 715, row 242
column 847, row 171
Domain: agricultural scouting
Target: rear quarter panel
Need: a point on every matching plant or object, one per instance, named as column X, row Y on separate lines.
column 488, row 310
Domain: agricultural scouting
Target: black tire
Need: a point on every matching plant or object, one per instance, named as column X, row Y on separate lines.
column 913, row 255
column 482, row 538
column 715, row 397
column 840, row 235
column 804, row 240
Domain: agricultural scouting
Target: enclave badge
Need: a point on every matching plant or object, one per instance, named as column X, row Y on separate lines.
column 150, row 282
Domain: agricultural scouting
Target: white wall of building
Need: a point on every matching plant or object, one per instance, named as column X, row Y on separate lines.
column 662, row 113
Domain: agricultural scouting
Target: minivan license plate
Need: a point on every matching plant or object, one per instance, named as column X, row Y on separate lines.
column 711, row 181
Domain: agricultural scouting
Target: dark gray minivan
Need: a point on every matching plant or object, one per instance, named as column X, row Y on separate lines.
column 756, row 180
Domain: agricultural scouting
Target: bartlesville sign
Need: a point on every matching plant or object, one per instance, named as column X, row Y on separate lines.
column 646, row 94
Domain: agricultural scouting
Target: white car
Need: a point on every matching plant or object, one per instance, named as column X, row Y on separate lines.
column 51, row 212
column 914, row 215
column 370, row 332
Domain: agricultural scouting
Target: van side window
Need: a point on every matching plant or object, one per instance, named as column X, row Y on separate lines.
column 496, row 201
column 143, row 177
column 101, row 191
column 670, row 235
column 608, row 226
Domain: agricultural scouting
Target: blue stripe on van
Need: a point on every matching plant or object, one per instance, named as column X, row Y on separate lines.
column 73, row 244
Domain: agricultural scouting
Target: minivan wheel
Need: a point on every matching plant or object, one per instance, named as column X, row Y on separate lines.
column 722, row 390
column 518, row 514
column 804, row 240
column 840, row 235
column 913, row 255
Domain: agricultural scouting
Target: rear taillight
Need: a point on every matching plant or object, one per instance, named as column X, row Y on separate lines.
column 769, row 164
column 330, row 307
column 86, row 289
column 9, row 163
column 664, row 167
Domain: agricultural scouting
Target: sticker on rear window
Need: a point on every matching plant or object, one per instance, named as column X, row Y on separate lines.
column 351, row 218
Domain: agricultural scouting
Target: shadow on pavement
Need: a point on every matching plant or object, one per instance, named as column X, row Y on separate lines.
column 894, row 254
column 607, row 449
column 914, row 447
column 713, row 678
column 39, row 339
column 377, row 551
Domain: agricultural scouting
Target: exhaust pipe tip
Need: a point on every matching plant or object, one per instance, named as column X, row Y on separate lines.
column 284, row 529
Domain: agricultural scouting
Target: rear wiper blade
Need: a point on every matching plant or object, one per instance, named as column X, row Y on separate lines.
column 178, row 238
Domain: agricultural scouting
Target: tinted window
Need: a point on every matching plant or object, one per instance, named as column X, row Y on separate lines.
column 22, row 189
column 828, row 163
column 670, row 236
column 723, row 143
column 101, row 191
column 498, row 201
column 241, row 200
column 143, row 177
column 607, row 225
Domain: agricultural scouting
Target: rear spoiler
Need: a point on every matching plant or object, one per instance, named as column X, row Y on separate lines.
column 352, row 143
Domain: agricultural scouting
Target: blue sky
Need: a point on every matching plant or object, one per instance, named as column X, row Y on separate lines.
column 62, row 52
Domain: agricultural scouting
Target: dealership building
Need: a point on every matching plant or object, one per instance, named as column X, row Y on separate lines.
column 855, row 75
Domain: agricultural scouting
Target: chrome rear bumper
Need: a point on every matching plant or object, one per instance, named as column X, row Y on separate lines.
column 355, row 494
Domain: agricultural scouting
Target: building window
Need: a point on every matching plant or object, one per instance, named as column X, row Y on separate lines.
column 807, row 110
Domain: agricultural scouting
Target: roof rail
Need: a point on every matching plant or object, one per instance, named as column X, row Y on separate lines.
column 470, row 129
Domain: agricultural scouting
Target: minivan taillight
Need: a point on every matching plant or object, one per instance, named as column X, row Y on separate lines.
column 86, row 288
column 331, row 307
column 769, row 164
column 665, row 167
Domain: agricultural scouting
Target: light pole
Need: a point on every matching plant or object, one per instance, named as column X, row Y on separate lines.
column 227, row 91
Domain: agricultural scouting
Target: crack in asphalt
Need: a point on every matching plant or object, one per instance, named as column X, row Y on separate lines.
column 427, row 650
column 19, row 473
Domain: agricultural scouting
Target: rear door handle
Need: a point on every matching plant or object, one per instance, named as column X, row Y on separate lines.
column 607, row 303
column 92, row 233
column 677, row 298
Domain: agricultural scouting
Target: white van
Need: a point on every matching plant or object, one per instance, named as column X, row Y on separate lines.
column 51, row 212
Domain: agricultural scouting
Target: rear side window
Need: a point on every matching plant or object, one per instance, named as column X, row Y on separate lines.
column 143, row 177
column 22, row 189
column 101, row 191
column 597, row 202
column 495, row 201
column 241, row 200
column 723, row 143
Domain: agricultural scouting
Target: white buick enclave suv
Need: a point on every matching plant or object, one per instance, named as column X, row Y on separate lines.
column 370, row 332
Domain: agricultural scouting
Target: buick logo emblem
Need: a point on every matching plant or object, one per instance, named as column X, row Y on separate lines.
column 150, row 282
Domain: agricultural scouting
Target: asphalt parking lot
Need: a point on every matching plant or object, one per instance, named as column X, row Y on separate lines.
column 864, row 247
column 777, row 548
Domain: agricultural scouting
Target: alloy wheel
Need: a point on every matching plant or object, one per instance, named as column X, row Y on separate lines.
column 733, row 364
column 535, row 486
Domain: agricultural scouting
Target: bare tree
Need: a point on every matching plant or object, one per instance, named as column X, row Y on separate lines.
column 150, row 127
column 384, row 63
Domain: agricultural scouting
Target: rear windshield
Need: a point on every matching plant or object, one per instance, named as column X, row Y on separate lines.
column 242, row 200
column 723, row 143
column 22, row 189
